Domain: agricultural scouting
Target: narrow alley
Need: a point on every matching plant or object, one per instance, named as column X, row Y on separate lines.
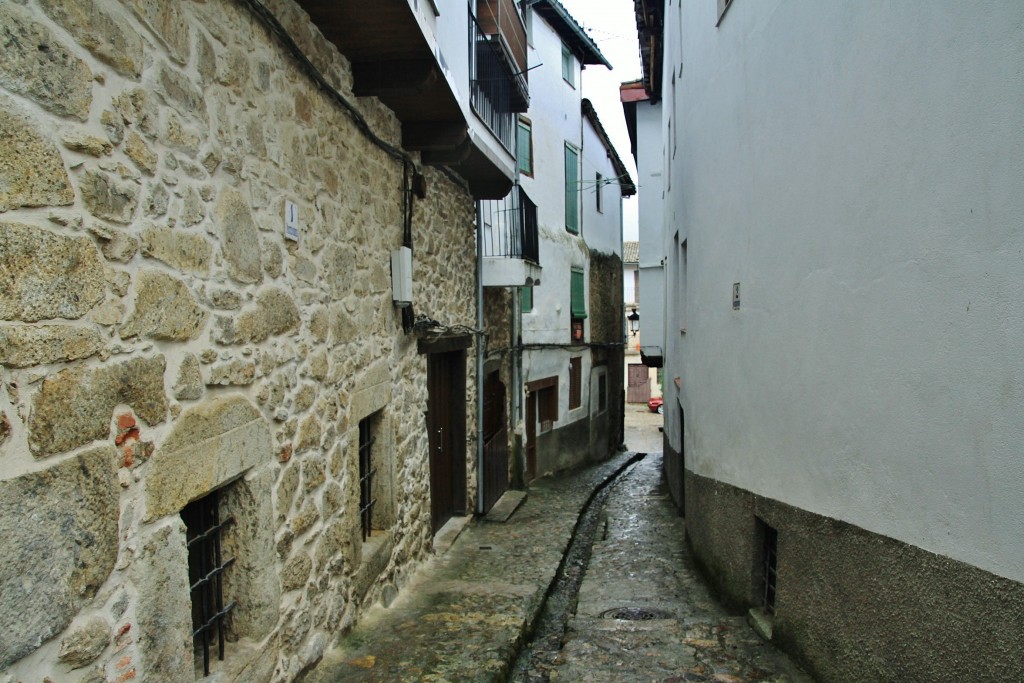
column 504, row 590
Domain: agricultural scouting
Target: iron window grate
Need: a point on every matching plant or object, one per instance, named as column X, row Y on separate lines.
column 366, row 474
column 206, row 567
column 769, row 554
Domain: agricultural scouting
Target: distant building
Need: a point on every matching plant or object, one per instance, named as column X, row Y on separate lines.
column 842, row 346
column 643, row 121
column 630, row 273
column 566, row 348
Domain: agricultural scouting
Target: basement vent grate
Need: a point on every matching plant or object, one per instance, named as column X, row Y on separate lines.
column 635, row 614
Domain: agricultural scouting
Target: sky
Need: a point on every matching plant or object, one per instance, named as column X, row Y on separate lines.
column 612, row 25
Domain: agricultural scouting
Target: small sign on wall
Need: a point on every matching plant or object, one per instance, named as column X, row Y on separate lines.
column 291, row 221
column 735, row 296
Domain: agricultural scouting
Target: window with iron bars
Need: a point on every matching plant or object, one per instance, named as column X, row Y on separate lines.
column 366, row 475
column 206, row 567
column 769, row 559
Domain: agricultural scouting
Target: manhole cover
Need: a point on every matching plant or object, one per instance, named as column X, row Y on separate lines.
column 635, row 614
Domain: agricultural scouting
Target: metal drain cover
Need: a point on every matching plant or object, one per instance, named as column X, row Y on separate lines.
column 635, row 614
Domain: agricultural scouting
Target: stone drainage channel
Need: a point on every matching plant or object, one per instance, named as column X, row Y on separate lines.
column 539, row 653
column 628, row 604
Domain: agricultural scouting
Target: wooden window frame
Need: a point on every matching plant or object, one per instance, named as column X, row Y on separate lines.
column 568, row 66
column 547, row 401
column 575, row 382
column 528, row 125
column 524, row 294
column 577, row 314
column 572, row 190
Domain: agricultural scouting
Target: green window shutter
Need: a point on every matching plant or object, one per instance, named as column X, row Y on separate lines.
column 578, row 306
column 572, row 186
column 524, row 149
column 526, row 298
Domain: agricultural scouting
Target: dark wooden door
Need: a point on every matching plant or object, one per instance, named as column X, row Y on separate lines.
column 495, row 441
column 531, row 436
column 638, row 384
column 446, row 428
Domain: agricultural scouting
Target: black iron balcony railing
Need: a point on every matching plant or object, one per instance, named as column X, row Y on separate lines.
column 509, row 227
column 503, row 21
column 491, row 85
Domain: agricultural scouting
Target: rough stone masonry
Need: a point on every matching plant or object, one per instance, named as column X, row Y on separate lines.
column 160, row 339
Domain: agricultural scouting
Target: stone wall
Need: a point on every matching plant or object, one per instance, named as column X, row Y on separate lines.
column 160, row 338
column 606, row 334
column 854, row 605
column 605, row 305
column 498, row 302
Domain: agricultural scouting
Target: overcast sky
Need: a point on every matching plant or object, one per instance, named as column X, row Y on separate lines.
column 612, row 25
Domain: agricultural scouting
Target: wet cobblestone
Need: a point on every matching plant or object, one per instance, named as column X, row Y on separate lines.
column 464, row 614
column 640, row 563
column 467, row 613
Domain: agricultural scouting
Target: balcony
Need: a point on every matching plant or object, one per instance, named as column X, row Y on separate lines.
column 498, row 89
column 503, row 25
column 510, row 245
column 418, row 68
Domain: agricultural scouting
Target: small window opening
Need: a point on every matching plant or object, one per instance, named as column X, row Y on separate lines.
column 206, row 567
column 577, row 305
column 547, row 407
column 366, row 475
column 568, row 66
column 769, row 557
column 575, row 382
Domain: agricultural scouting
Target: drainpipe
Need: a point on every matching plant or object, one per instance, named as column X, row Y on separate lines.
column 479, row 362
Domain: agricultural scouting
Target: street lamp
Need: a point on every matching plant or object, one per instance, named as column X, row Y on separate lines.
column 634, row 322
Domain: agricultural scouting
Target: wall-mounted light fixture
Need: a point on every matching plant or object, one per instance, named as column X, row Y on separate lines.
column 634, row 322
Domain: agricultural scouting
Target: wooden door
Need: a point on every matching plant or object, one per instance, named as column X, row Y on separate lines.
column 446, row 428
column 638, row 384
column 495, row 441
column 531, row 436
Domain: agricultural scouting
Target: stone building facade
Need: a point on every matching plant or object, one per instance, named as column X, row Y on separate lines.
column 161, row 339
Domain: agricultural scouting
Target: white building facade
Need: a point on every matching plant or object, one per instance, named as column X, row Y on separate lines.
column 843, row 321
column 572, row 323
column 643, row 121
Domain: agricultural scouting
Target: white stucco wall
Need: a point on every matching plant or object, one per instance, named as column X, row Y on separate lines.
column 857, row 167
column 556, row 119
column 602, row 230
column 651, row 203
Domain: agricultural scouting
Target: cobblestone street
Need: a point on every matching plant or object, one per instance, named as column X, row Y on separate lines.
column 468, row 613
column 643, row 613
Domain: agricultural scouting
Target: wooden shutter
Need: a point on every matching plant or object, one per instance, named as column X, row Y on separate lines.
column 575, row 382
column 578, row 305
column 572, row 209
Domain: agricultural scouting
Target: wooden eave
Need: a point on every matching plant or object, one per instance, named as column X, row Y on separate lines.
column 392, row 60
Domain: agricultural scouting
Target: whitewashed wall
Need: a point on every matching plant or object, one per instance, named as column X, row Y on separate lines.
column 857, row 167
column 555, row 115
column 651, row 213
column 602, row 230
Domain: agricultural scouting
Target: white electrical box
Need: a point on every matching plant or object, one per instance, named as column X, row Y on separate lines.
column 401, row 276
